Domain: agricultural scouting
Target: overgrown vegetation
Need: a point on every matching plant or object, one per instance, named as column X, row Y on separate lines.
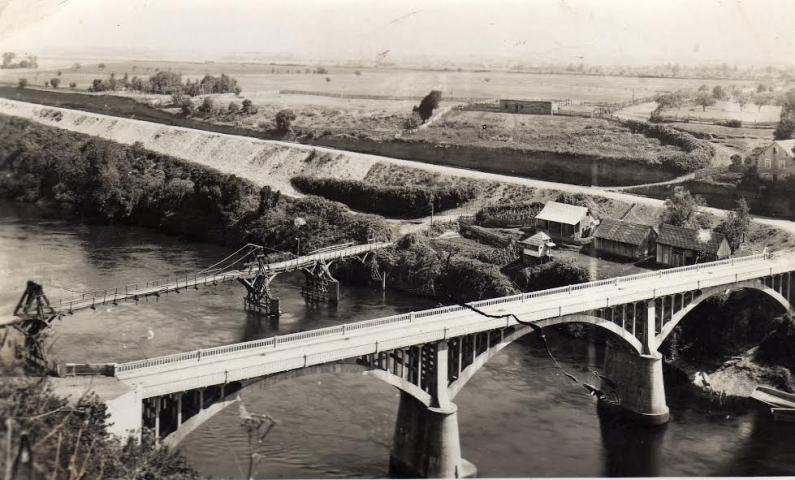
column 406, row 201
column 681, row 207
column 697, row 153
column 558, row 273
column 70, row 440
column 109, row 182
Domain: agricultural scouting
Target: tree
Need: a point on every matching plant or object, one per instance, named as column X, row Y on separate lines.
column 55, row 82
column 101, row 66
column 736, row 224
column 248, row 107
column 284, row 120
column 428, row 104
column 22, row 83
column 321, row 70
column 207, row 108
column 741, row 98
column 760, row 100
column 75, row 66
column 719, row 93
column 328, row 79
column 233, row 108
column 703, row 88
column 72, row 84
column 680, row 207
column 704, row 100
column 8, row 57
column 786, row 124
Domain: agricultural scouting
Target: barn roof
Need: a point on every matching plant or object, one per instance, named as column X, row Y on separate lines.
column 562, row 213
column 623, row 232
column 689, row 239
column 787, row 146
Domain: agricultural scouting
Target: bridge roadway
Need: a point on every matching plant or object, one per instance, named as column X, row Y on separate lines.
column 137, row 291
column 200, row 368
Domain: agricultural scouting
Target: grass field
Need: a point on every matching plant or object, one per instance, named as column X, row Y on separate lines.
column 726, row 110
column 269, row 79
column 592, row 136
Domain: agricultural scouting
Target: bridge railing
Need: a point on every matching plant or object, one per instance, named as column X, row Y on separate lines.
column 178, row 281
column 435, row 312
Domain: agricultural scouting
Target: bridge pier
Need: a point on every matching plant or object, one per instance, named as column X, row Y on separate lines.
column 320, row 285
column 636, row 382
column 426, row 442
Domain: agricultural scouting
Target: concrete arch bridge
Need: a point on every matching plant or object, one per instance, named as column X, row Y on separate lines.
column 430, row 355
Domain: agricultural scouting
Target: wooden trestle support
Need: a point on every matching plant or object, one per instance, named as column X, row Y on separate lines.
column 259, row 298
column 37, row 314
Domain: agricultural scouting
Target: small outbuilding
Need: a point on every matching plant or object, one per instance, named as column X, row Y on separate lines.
column 533, row 107
column 562, row 221
column 678, row 246
column 624, row 239
column 536, row 248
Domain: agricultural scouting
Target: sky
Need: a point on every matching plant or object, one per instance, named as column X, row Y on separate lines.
column 608, row 32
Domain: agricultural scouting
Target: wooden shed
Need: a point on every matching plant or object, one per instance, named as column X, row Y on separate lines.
column 536, row 249
column 562, row 221
column 678, row 246
column 624, row 239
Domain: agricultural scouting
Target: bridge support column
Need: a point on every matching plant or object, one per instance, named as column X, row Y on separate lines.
column 636, row 382
column 426, row 442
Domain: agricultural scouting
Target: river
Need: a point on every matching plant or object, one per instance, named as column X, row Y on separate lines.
column 518, row 417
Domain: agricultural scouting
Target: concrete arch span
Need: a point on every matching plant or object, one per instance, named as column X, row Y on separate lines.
column 756, row 285
column 232, row 391
column 521, row 330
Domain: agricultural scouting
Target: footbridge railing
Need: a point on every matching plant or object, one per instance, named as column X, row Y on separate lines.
column 176, row 283
column 539, row 311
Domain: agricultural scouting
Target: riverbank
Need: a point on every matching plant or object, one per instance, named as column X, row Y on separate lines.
column 553, row 159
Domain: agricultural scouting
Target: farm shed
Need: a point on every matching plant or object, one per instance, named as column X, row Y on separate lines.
column 536, row 248
column 624, row 239
column 677, row 246
column 562, row 221
column 534, row 107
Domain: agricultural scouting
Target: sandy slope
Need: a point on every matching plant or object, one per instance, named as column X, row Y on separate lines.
column 273, row 163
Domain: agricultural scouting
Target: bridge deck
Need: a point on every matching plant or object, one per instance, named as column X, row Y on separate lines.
column 164, row 286
column 246, row 360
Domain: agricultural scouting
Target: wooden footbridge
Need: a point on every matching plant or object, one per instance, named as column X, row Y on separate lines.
column 249, row 265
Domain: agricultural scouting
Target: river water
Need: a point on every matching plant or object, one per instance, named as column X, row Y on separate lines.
column 518, row 416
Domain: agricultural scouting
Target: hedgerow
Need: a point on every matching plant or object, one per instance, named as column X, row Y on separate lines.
column 698, row 153
column 405, row 201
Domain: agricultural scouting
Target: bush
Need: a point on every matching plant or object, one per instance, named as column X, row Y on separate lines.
column 508, row 214
column 558, row 273
column 406, row 201
column 698, row 153
column 284, row 120
column 22, row 83
column 734, row 123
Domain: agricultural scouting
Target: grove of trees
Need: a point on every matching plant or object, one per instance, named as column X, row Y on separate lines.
column 28, row 61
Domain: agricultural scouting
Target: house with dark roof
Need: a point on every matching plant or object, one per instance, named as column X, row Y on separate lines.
column 562, row 221
column 624, row 239
column 678, row 246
